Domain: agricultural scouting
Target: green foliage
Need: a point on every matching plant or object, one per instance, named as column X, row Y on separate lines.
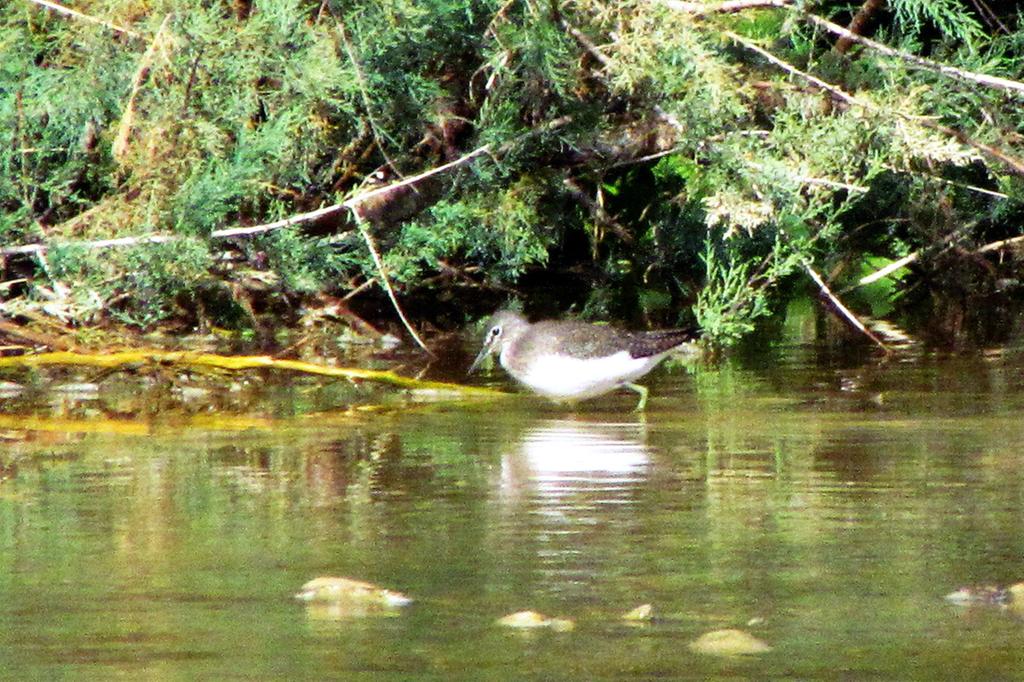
column 303, row 264
column 631, row 141
column 880, row 296
column 952, row 19
column 144, row 281
column 508, row 232
column 737, row 289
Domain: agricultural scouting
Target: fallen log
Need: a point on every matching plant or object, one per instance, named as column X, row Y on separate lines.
column 133, row 359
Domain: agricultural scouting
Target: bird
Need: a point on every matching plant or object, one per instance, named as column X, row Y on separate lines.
column 569, row 360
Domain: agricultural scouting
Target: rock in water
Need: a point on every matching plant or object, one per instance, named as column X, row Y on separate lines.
column 640, row 614
column 728, row 642
column 331, row 590
column 991, row 595
column 532, row 619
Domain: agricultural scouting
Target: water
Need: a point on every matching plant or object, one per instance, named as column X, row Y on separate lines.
column 823, row 505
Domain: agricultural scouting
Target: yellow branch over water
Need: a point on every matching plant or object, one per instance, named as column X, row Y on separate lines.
column 135, row 358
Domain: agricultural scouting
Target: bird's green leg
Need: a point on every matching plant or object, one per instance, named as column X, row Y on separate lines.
column 643, row 396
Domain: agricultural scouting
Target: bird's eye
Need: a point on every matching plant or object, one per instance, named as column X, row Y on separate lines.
column 495, row 331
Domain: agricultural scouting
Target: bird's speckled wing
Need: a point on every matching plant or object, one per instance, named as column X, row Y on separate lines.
column 646, row 344
column 581, row 340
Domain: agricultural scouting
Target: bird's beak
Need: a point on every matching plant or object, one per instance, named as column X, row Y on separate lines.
column 484, row 352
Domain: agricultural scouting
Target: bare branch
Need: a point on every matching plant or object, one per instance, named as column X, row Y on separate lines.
column 910, row 258
column 587, row 44
column 841, row 310
column 351, row 204
column 56, row 7
column 786, row 66
column 920, row 62
column 859, row 23
column 386, row 283
column 125, row 127
column 26, row 249
column 378, row 136
column 882, row 273
column 700, row 8
column 1002, row 244
column 1013, row 163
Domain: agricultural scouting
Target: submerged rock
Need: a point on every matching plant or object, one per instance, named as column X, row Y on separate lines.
column 641, row 614
column 989, row 594
column 9, row 389
column 728, row 642
column 78, row 389
column 331, row 590
column 532, row 619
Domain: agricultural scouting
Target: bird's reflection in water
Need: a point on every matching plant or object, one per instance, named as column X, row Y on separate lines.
column 568, row 493
column 561, row 458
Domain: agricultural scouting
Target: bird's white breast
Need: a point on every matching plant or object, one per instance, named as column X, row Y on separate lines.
column 562, row 377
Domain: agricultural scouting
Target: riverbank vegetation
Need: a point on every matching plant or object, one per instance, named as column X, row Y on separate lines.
column 263, row 165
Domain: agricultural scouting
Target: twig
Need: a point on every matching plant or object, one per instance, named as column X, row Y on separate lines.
column 916, row 255
column 386, row 283
column 597, row 211
column 359, row 289
column 810, row 180
column 646, row 158
column 378, row 136
column 961, row 185
column 835, row 184
column 56, row 7
column 881, row 273
column 1001, row 244
column 920, row 62
column 34, row 249
column 700, row 8
column 351, row 204
column 990, row 17
column 587, row 44
column 841, row 309
column 1014, row 164
column 124, row 129
column 786, row 66
column 859, row 23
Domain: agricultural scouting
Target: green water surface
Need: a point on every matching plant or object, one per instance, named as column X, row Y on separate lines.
column 824, row 506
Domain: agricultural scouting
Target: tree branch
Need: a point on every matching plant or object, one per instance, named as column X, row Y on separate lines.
column 920, row 62
column 127, row 124
column 133, row 358
column 701, row 9
column 352, row 203
column 1014, row 164
column 859, row 23
column 786, row 66
column 841, row 310
column 910, row 258
column 386, row 283
column 56, row 7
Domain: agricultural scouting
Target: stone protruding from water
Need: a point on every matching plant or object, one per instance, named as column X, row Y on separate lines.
column 728, row 642
column 533, row 620
column 332, row 590
column 641, row 614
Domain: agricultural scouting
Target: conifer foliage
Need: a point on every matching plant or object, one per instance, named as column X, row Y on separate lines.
column 659, row 155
